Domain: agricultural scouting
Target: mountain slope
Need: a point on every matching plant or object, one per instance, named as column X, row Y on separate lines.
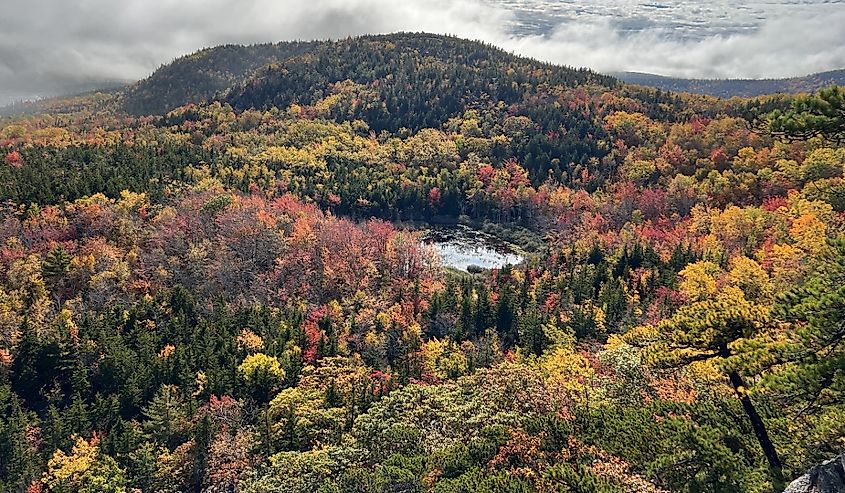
column 405, row 80
column 199, row 76
column 726, row 88
column 450, row 70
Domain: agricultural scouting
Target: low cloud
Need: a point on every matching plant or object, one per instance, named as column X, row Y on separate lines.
column 780, row 47
column 49, row 47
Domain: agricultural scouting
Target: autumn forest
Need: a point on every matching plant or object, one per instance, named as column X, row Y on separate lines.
column 214, row 280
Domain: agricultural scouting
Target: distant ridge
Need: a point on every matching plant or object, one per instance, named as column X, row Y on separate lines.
column 61, row 103
column 727, row 88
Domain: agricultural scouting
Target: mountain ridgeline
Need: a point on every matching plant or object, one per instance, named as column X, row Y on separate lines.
column 745, row 88
column 413, row 81
column 445, row 72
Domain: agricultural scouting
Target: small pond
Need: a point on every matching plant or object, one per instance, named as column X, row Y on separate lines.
column 461, row 247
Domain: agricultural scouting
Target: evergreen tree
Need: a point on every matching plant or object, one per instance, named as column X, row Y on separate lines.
column 165, row 416
column 708, row 330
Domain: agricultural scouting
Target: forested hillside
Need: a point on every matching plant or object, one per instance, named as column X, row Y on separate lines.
column 408, row 81
column 228, row 296
column 198, row 77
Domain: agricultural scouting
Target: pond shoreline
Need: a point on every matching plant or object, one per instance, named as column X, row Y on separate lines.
column 524, row 239
column 467, row 249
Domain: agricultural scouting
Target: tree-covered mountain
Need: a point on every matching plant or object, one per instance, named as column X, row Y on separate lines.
column 727, row 88
column 407, row 80
column 307, row 71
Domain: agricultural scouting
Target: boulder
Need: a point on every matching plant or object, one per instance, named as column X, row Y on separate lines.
column 828, row 477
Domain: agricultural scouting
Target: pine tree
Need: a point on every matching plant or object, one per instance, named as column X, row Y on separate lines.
column 56, row 263
column 55, row 429
column 506, row 318
column 203, row 435
column 465, row 325
column 809, row 364
column 393, row 344
column 18, row 461
column 531, row 333
column 165, row 415
column 484, row 312
column 708, row 330
column 77, row 416
column 821, row 114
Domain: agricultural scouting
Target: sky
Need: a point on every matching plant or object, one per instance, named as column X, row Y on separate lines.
column 50, row 47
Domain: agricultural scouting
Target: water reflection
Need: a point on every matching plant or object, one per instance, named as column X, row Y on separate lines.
column 461, row 247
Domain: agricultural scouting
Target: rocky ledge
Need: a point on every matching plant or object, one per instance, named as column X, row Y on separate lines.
column 828, row 477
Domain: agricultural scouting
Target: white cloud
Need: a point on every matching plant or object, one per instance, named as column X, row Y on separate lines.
column 48, row 46
column 780, row 47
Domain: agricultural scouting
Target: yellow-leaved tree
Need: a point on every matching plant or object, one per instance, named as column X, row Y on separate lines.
column 262, row 375
column 83, row 470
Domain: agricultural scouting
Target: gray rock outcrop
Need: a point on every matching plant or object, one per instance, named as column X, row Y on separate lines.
column 828, row 477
